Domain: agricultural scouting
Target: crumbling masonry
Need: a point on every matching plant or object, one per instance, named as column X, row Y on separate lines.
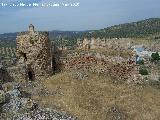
column 34, row 52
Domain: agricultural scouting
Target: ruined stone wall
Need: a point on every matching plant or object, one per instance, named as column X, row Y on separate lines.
column 106, row 43
column 18, row 72
column 34, row 50
column 118, row 68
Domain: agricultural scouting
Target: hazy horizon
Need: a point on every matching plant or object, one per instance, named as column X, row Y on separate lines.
column 90, row 15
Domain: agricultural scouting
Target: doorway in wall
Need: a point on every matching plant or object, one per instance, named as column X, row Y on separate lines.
column 30, row 74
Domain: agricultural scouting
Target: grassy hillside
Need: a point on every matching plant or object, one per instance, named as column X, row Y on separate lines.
column 136, row 29
column 99, row 98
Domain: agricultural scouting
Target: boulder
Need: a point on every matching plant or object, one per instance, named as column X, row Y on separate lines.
column 8, row 86
column 31, row 105
column 80, row 75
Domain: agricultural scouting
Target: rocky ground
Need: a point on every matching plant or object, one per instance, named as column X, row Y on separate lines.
column 17, row 105
column 85, row 89
column 16, row 101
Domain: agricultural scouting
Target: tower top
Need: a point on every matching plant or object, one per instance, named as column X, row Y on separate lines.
column 31, row 28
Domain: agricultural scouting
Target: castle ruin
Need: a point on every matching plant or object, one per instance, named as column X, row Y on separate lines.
column 96, row 43
column 34, row 51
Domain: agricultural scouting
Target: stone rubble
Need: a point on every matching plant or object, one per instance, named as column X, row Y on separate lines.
column 18, row 107
column 2, row 97
column 44, row 114
column 95, row 43
column 80, row 75
column 114, row 113
column 116, row 67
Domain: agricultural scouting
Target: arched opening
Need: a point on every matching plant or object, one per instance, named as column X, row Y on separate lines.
column 54, row 64
column 30, row 74
column 25, row 57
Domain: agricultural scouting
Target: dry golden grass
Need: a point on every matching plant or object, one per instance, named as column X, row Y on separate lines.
column 90, row 99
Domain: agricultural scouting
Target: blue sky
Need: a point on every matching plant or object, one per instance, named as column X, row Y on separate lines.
column 91, row 14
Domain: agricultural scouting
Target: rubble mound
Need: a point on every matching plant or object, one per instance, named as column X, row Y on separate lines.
column 118, row 68
column 18, row 106
column 44, row 114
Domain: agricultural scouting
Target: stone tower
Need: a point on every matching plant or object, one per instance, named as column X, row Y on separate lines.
column 86, row 44
column 79, row 44
column 31, row 28
column 93, row 43
column 34, row 51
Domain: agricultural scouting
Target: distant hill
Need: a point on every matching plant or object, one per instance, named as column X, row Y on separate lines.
column 65, row 34
column 135, row 29
column 8, row 36
column 52, row 34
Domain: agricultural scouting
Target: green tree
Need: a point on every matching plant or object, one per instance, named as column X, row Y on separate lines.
column 143, row 71
column 141, row 62
column 155, row 57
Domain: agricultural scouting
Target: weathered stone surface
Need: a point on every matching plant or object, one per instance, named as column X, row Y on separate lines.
column 34, row 51
column 16, row 102
column 18, row 72
column 80, row 75
column 2, row 96
column 117, row 67
column 44, row 114
column 22, row 108
column 8, row 86
column 95, row 43
column 4, row 74
column 83, row 44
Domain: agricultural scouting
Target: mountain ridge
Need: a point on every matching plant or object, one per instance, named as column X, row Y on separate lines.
column 140, row 28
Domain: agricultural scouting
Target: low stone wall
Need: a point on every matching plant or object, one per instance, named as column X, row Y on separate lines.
column 116, row 67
